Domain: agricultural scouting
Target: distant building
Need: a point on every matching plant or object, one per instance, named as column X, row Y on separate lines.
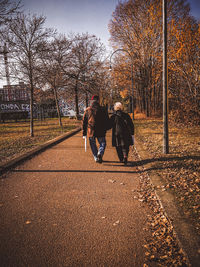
column 18, row 92
column 14, row 102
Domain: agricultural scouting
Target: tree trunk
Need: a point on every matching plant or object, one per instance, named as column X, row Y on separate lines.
column 76, row 99
column 31, row 111
column 57, row 106
column 31, row 103
column 147, row 104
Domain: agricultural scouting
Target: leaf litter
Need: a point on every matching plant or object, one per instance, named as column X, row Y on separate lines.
column 162, row 248
column 180, row 170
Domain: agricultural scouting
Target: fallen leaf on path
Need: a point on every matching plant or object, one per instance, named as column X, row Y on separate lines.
column 111, row 181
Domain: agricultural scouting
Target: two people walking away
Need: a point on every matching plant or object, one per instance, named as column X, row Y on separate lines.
column 95, row 124
column 122, row 132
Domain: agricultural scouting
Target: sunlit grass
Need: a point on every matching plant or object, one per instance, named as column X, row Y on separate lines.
column 180, row 169
column 15, row 136
column 181, row 139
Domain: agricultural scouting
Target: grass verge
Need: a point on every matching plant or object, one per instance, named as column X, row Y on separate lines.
column 180, row 169
column 15, row 139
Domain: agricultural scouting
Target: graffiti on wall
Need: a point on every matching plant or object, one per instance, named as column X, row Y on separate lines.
column 14, row 106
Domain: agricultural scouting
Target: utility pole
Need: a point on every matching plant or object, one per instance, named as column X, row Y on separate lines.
column 165, row 82
column 4, row 52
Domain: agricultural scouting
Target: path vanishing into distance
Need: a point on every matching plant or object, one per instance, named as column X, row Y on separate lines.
column 60, row 208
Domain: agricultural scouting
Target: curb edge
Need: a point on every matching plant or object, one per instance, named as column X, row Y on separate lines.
column 18, row 160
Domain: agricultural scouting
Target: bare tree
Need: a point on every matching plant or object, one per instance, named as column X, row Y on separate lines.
column 86, row 52
column 54, row 58
column 27, row 37
column 8, row 8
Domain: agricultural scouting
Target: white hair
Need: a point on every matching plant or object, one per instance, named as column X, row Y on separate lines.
column 118, row 106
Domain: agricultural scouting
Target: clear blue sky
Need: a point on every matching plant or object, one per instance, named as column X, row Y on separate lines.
column 90, row 16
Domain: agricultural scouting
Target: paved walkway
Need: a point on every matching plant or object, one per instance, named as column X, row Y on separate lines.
column 60, row 208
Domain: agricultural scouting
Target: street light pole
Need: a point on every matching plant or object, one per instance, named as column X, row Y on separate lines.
column 165, row 82
column 132, row 102
column 124, row 50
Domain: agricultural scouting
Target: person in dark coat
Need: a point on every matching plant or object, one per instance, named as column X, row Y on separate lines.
column 122, row 132
column 95, row 124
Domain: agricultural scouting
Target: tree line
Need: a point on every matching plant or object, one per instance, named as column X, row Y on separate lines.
column 52, row 64
column 64, row 67
column 136, row 26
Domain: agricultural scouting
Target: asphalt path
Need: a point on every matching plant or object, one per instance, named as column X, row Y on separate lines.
column 60, row 208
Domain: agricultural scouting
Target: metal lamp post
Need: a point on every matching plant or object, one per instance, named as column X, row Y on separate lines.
column 124, row 50
column 165, row 82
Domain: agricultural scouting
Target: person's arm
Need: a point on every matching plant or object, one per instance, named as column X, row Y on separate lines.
column 130, row 124
column 131, row 128
column 112, row 121
column 109, row 123
column 106, row 119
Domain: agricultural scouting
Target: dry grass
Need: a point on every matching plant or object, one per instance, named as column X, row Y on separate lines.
column 15, row 138
column 180, row 169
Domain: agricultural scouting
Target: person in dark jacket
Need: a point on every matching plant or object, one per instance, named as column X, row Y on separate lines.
column 122, row 132
column 95, row 124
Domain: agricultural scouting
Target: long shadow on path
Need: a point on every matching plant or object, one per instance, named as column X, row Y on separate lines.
column 176, row 162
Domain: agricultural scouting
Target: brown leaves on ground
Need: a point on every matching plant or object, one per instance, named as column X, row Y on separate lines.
column 185, row 182
column 180, row 171
column 162, row 247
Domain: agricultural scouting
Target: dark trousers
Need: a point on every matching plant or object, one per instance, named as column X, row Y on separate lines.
column 122, row 152
column 102, row 146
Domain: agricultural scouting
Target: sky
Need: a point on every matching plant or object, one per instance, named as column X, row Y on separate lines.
column 81, row 16
column 78, row 16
